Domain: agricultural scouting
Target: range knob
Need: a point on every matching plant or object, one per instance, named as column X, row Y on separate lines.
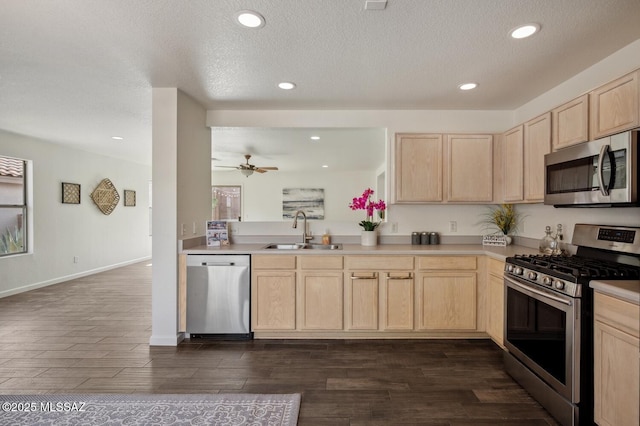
column 559, row 284
column 546, row 281
column 532, row 275
column 509, row 268
column 518, row 270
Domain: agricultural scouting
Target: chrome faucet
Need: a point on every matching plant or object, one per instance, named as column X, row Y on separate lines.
column 305, row 237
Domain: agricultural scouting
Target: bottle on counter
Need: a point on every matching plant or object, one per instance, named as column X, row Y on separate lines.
column 548, row 243
column 326, row 238
column 559, row 239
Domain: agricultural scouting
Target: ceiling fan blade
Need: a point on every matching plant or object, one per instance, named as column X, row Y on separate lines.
column 226, row 167
column 259, row 170
column 268, row 168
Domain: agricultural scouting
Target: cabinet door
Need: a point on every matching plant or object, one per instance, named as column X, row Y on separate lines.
column 614, row 106
column 273, row 300
column 570, row 123
column 470, row 168
column 616, row 376
column 397, row 301
column 362, row 301
column 418, row 167
column 495, row 327
column 513, row 157
column 537, row 143
column 446, row 301
column 320, row 300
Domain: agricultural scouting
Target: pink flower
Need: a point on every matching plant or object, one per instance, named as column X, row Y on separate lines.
column 364, row 203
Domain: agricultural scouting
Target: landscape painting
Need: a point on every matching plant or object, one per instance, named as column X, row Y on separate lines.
column 309, row 200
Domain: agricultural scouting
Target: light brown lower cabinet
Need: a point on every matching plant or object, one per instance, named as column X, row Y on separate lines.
column 446, row 301
column 397, row 301
column 273, row 290
column 616, row 361
column 495, row 301
column 308, row 295
column 320, row 300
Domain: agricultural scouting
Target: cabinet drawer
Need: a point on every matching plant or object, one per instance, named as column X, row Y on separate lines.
column 495, row 267
column 379, row 262
column 447, row 262
column 619, row 313
column 266, row 261
column 320, row 262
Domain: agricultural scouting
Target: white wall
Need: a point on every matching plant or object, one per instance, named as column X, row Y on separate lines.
column 437, row 217
column 181, row 195
column 62, row 231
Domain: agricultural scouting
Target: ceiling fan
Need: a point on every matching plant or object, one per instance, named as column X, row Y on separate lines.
column 248, row 169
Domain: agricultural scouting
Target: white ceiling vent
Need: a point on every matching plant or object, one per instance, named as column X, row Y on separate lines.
column 375, row 4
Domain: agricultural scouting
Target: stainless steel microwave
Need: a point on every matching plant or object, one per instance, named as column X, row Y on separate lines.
column 599, row 173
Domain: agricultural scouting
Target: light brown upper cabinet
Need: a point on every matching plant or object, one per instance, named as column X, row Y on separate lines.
column 537, row 143
column 418, row 167
column 570, row 123
column 470, row 168
column 614, row 107
column 513, row 164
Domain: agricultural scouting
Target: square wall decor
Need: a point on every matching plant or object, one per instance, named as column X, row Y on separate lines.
column 129, row 198
column 70, row 193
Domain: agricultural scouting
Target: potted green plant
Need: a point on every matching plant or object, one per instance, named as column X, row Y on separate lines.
column 505, row 218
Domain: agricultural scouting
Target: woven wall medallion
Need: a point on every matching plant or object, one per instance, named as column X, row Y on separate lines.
column 105, row 196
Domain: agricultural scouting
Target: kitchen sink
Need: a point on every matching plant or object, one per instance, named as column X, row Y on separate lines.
column 302, row 246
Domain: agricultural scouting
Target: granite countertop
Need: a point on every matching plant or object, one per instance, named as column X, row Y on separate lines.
column 499, row 253
column 628, row 290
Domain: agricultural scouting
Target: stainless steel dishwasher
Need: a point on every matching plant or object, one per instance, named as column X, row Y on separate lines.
column 218, row 296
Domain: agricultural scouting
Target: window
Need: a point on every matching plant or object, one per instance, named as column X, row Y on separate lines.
column 226, row 203
column 13, row 206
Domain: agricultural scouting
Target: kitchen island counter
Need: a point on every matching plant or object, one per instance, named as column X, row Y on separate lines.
column 499, row 253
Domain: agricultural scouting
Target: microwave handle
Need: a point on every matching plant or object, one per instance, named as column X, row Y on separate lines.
column 603, row 188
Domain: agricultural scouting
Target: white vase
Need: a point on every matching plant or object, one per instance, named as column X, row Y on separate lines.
column 508, row 238
column 369, row 238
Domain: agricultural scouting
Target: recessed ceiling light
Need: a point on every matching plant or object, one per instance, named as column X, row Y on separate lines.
column 117, row 138
column 467, row 86
column 325, row 166
column 250, row 19
column 525, row 31
column 286, row 85
column 315, row 138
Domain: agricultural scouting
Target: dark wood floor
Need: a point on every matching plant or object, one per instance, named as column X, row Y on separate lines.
column 91, row 335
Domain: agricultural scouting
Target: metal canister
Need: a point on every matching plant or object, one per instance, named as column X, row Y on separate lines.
column 434, row 238
column 415, row 238
column 424, row 238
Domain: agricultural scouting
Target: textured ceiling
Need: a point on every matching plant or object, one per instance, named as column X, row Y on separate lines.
column 77, row 72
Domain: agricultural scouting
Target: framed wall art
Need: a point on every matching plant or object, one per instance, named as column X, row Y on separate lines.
column 129, row 198
column 70, row 193
column 310, row 200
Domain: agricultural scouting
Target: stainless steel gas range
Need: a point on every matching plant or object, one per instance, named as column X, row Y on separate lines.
column 549, row 317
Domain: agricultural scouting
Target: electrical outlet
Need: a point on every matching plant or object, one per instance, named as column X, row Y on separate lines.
column 394, row 227
column 194, row 228
column 453, row 226
column 183, row 229
column 76, row 259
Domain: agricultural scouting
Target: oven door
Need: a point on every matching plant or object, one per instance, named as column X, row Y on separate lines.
column 542, row 330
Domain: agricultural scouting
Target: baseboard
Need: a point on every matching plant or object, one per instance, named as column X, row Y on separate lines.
column 58, row 280
column 166, row 340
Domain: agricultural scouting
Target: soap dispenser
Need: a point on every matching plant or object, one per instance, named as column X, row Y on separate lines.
column 548, row 243
column 326, row 238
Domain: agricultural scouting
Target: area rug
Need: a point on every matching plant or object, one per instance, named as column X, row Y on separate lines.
column 159, row 409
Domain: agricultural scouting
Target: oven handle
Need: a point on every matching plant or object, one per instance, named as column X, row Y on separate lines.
column 603, row 188
column 538, row 292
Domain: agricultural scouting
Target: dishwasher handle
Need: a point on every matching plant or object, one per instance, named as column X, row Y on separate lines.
column 218, row 264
